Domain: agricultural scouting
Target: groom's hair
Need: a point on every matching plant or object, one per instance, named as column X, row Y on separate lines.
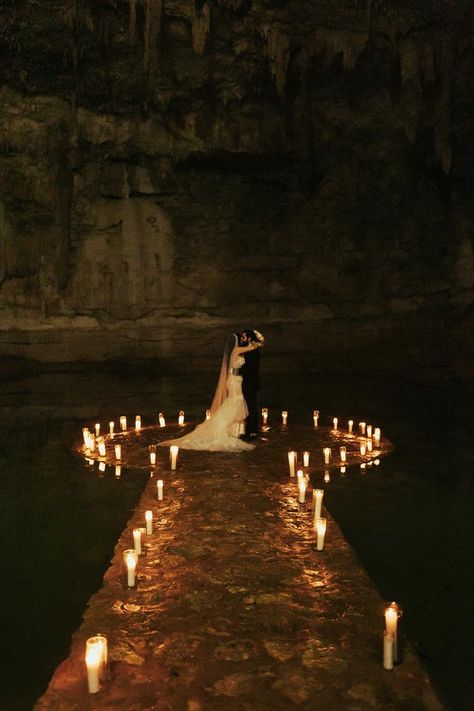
column 250, row 334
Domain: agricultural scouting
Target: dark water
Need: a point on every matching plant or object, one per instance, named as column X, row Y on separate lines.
column 410, row 520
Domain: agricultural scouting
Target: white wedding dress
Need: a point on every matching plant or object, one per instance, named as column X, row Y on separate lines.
column 221, row 432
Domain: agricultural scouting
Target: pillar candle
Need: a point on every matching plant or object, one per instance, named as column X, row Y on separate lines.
column 264, row 415
column 118, row 451
column 85, row 435
column 284, row 417
column 159, row 489
column 208, row 414
column 123, row 423
column 93, row 664
column 92, row 441
column 363, row 465
column 315, row 417
column 138, row 423
column 102, row 450
column 292, row 462
column 391, row 623
column 181, row 418
column 377, row 436
column 369, row 431
column 318, row 495
column 149, row 522
column 369, row 445
column 343, row 470
column 301, row 490
column 327, row 478
column 153, row 458
column 137, row 540
column 102, row 466
column 376, row 462
column 118, row 471
column 343, row 454
column 350, row 425
column 161, row 420
column 174, row 449
column 388, row 643
column 306, row 456
column 334, row 423
column 327, row 454
column 131, row 560
column 321, row 532
column 363, row 448
column 299, row 475
column 362, row 428
column 111, row 428
column 97, row 429
column 98, row 644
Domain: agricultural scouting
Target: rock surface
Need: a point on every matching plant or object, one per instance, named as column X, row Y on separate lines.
column 234, row 607
column 182, row 165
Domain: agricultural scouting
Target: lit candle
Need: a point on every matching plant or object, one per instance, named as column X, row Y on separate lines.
column 118, row 471
column 376, row 462
column 363, row 465
column 334, row 423
column 153, row 458
column 149, row 522
column 98, row 644
column 377, row 436
column 315, row 418
column 343, row 470
column 362, row 428
column 174, row 449
column 284, row 417
column 321, row 532
column 208, row 414
column 264, row 415
column 327, row 454
column 118, row 451
column 392, row 613
column 85, row 435
column 97, row 429
column 299, row 475
column 350, row 425
column 137, row 540
column 181, row 418
column 369, row 431
column 343, row 454
column 292, row 462
column 111, row 428
column 369, row 445
column 363, row 448
column 123, row 423
column 327, row 478
column 102, row 450
column 301, row 490
column 388, row 643
column 131, row 560
column 159, row 489
column 306, row 459
column 161, row 420
column 102, row 466
column 91, row 443
column 318, row 495
column 138, row 423
column 93, row 665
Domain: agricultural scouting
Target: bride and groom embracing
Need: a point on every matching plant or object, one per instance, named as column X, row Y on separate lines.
column 233, row 420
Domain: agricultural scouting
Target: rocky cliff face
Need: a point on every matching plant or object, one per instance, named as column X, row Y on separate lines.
column 173, row 169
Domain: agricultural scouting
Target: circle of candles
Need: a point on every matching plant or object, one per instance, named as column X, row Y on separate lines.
column 111, row 428
column 318, row 495
column 362, row 428
column 334, row 423
column 264, row 415
column 174, row 449
column 301, row 489
column 161, row 420
column 284, row 417
column 149, row 522
column 159, row 489
column 208, row 414
column 388, row 644
column 315, row 418
column 138, row 423
column 118, row 471
column 369, row 445
column 350, row 425
column 137, row 540
column 377, row 436
column 93, row 658
column 343, row 454
column 306, row 456
column 363, row 448
column 102, row 450
column 327, row 454
column 369, row 431
column 97, row 429
column 181, row 418
column 292, row 462
column 321, row 532
column 123, row 423
column 118, row 451
column 131, row 561
column 392, row 613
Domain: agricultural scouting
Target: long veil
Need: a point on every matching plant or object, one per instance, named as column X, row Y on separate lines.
column 221, row 390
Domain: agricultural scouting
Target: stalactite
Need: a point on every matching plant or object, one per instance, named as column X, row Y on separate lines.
column 152, row 31
column 200, row 27
column 333, row 42
column 278, row 51
column 132, row 18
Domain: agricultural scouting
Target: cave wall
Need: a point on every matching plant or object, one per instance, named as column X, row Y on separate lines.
column 173, row 169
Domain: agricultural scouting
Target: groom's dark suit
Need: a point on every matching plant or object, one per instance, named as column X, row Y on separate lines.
column 250, row 373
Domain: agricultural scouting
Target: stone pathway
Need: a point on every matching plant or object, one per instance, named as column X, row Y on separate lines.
column 235, row 608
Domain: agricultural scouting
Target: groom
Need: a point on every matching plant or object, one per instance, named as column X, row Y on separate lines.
column 251, row 379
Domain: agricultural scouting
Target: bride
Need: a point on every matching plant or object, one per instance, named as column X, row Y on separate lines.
column 220, row 433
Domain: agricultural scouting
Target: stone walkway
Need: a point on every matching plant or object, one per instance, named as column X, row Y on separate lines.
column 235, row 608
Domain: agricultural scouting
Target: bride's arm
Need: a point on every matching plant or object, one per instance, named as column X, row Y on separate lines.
column 238, row 350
